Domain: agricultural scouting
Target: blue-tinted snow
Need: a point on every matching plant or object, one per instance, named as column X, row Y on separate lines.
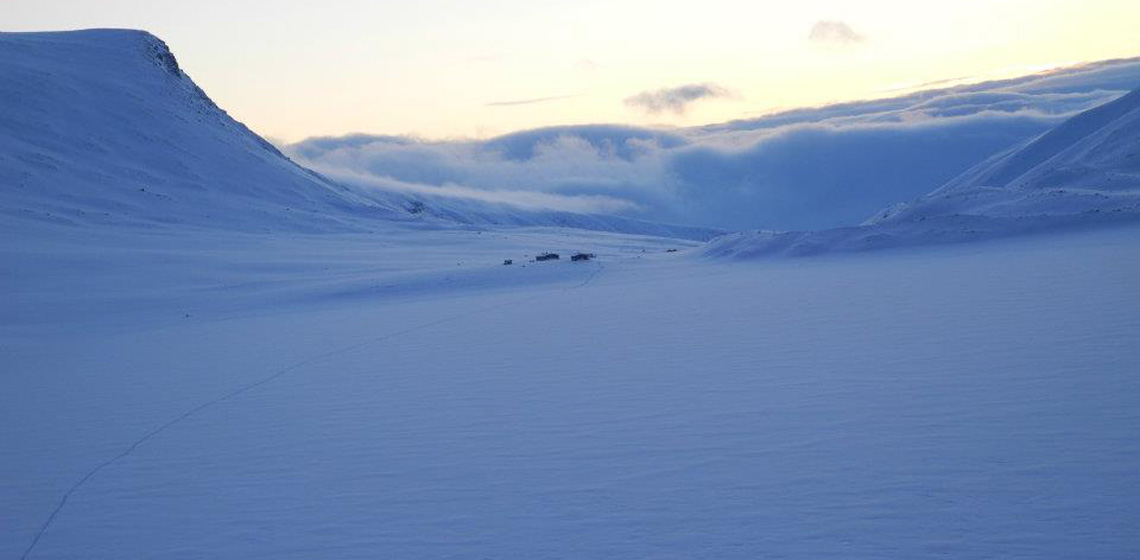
column 245, row 360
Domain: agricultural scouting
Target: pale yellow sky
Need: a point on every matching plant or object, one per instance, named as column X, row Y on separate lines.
column 292, row 69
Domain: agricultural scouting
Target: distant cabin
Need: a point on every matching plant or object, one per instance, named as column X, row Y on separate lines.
column 547, row 257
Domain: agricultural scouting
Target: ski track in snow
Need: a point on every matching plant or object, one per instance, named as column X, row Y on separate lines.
column 803, row 373
column 265, row 380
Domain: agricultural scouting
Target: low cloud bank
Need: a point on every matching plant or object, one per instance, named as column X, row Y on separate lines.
column 803, row 169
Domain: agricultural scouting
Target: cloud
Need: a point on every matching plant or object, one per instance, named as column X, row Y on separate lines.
column 528, row 101
column 802, row 169
column 608, row 140
column 815, row 176
column 598, row 164
column 898, row 88
column 677, row 99
column 836, row 33
column 793, row 177
column 522, row 199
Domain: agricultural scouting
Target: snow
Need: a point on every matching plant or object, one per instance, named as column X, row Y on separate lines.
column 105, row 129
column 895, row 405
column 267, row 365
column 1084, row 173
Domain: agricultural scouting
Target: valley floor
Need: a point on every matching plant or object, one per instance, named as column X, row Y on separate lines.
column 407, row 396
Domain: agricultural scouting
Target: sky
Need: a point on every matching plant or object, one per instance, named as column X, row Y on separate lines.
column 452, row 69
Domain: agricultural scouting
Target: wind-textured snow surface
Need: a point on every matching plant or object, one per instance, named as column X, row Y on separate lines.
column 1084, row 173
column 363, row 398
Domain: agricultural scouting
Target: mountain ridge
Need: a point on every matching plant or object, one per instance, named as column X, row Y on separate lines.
column 103, row 128
column 1083, row 173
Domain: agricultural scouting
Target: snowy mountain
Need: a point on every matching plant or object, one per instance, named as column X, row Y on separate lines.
column 103, row 127
column 1085, row 172
column 1089, row 164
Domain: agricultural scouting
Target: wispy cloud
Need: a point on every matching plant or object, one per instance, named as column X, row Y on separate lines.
column 528, row 101
column 676, row 99
column 895, row 88
column 835, row 33
column 524, row 199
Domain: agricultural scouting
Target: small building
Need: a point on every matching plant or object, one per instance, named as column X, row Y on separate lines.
column 547, row 257
column 582, row 256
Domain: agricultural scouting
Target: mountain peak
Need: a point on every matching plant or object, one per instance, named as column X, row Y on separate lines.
column 105, row 127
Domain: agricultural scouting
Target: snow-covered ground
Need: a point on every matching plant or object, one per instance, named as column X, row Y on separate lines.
column 411, row 397
column 207, row 351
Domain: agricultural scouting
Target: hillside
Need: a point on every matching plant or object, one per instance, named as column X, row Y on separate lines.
column 1083, row 173
column 102, row 127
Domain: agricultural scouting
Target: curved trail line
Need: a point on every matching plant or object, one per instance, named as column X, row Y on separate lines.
column 258, row 383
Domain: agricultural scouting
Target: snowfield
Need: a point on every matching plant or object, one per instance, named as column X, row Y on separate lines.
column 968, row 402
column 207, row 351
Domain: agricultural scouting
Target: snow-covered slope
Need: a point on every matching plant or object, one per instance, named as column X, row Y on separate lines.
column 1085, row 172
column 1089, row 164
column 102, row 127
column 346, row 396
